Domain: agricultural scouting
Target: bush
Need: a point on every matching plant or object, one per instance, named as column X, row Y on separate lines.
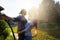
column 51, row 28
column 10, row 37
column 4, row 30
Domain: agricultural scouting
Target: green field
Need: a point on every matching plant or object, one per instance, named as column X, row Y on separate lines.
column 41, row 35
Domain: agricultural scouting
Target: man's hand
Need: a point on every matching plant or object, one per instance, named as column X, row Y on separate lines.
column 20, row 32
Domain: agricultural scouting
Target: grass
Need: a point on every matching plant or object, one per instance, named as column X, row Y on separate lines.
column 14, row 29
column 44, row 36
column 41, row 35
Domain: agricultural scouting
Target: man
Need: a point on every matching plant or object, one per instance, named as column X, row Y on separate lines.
column 21, row 23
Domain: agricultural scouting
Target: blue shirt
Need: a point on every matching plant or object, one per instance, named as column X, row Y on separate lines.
column 27, row 29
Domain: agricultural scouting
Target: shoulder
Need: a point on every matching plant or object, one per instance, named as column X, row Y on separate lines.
column 31, row 23
column 19, row 16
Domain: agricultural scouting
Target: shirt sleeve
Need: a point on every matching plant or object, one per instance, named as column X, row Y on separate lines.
column 17, row 18
column 28, row 26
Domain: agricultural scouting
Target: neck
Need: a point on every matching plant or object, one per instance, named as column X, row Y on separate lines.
column 22, row 15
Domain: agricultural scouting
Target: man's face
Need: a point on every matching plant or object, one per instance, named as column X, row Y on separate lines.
column 23, row 13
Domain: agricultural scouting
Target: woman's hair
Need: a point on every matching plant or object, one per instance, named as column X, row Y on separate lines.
column 35, row 23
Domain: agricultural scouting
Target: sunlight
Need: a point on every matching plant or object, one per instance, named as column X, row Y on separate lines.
column 29, row 4
column 14, row 6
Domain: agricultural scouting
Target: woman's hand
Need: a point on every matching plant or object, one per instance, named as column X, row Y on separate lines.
column 34, row 35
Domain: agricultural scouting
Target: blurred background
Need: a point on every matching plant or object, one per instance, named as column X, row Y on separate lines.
column 46, row 12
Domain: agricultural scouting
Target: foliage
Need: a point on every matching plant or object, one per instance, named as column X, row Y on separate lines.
column 42, row 35
column 52, row 29
column 50, row 16
column 4, row 30
column 15, row 29
column 10, row 37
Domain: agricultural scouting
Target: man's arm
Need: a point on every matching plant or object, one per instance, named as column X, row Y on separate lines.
column 16, row 18
column 27, row 27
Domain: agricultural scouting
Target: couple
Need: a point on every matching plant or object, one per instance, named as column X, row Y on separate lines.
column 24, row 27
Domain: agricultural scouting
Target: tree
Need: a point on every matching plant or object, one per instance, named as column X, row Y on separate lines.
column 49, row 12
